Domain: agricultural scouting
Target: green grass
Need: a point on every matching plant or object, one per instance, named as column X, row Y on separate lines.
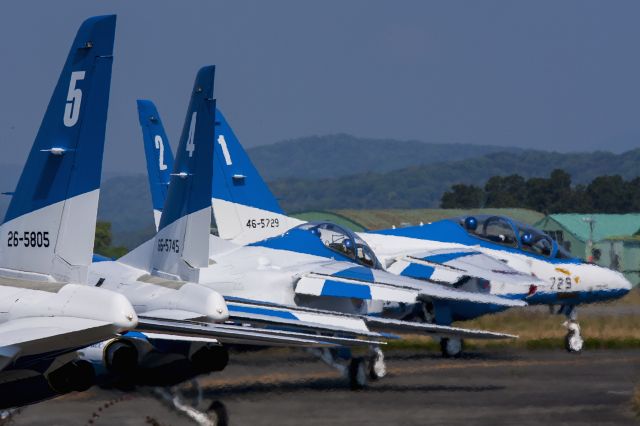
column 427, row 344
column 537, row 329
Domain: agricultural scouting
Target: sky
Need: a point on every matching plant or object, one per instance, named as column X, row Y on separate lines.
column 554, row 75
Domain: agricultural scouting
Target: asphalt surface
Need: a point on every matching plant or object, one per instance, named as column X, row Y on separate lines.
column 293, row 388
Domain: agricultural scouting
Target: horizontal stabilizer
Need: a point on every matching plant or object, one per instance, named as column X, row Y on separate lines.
column 388, row 324
column 39, row 335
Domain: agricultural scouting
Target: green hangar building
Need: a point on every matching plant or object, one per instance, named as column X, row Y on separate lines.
column 609, row 240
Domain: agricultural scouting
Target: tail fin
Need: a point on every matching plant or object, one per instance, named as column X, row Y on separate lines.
column 182, row 242
column 158, row 153
column 50, row 224
column 245, row 209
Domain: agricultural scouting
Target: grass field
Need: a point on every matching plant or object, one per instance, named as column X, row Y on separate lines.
column 606, row 325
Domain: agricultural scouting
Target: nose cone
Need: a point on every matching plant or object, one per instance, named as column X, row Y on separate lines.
column 613, row 284
column 623, row 284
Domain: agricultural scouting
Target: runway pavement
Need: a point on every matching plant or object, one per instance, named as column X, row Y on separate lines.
column 293, row 388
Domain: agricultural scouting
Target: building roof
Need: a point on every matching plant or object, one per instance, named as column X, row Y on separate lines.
column 605, row 226
column 382, row 219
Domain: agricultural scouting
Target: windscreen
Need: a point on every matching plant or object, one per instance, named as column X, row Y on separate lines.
column 344, row 242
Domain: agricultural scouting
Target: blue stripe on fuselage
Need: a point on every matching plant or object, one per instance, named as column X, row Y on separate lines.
column 301, row 241
column 575, row 297
column 448, row 231
column 356, row 273
column 446, row 257
column 262, row 311
column 421, row 272
column 340, row 289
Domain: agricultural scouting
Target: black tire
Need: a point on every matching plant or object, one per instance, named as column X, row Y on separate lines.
column 220, row 412
column 443, row 348
column 355, row 366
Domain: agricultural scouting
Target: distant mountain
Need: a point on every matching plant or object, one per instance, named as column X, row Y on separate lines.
column 341, row 171
column 423, row 186
column 339, row 155
column 125, row 201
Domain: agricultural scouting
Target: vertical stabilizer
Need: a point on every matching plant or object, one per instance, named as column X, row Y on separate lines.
column 158, row 154
column 182, row 241
column 245, row 209
column 50, row 223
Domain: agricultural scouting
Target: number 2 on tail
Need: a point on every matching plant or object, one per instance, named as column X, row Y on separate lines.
column 160, row 147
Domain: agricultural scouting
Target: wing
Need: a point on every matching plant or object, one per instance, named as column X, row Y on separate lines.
column 450, row 265
column 340, row 279
column 40, row 335
column 244, row 335
column 300, row 318
column 388, row 324
column 272, row 314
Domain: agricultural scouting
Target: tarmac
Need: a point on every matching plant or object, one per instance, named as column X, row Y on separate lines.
column 279, row 387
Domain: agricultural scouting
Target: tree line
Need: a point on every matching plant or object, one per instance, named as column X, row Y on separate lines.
column 555, row 194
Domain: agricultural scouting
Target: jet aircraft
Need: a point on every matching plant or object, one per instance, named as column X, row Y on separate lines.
column 54, row 328
column 180, row 334
column 46, row 313
column 492, row 255
column 293, row 270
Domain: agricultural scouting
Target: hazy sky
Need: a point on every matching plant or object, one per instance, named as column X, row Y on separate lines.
column 560, row 75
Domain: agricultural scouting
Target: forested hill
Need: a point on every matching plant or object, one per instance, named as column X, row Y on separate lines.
column 423, row 186
column 333, row 156
column 338, row 172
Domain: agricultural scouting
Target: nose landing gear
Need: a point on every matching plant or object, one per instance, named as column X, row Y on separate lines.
column 573, row 341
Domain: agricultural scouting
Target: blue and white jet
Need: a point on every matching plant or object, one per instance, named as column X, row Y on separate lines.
column 295, row 269
column 181, row 332
column 54, row 329
column 494, row 255
column 46, row 311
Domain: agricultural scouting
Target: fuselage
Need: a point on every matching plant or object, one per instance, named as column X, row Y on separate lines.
column 570, row 281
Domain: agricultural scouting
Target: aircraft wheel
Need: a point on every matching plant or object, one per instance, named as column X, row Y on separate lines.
column 219, row 411
column 377, row 366
column 451, row 347
column 573, row 342
column 357, row 373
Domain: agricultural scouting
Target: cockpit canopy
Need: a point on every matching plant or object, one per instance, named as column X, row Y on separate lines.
column 344, row 242
column 507, row 232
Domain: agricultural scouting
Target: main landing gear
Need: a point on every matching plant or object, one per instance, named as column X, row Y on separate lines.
column 358, row 370
column 362, row 369
column 193, row 408
column 451, row 347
